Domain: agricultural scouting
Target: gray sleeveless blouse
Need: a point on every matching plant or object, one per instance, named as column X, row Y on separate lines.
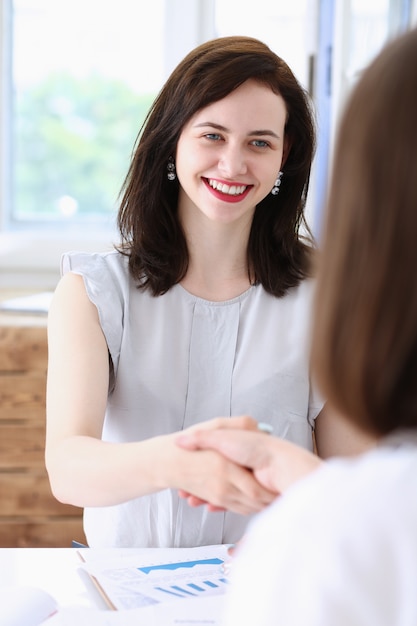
column 177, row 360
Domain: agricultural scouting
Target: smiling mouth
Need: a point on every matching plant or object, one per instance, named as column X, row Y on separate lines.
column 228, row 190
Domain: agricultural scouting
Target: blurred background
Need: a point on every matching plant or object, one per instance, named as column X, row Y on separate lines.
column 76, row 80
column 78, row 76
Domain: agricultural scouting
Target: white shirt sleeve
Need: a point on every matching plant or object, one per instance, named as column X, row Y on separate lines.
column 338, row 549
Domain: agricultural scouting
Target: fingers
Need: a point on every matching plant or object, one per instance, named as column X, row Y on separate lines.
column 245, row 447
column 193, row 501
column 255, row 451
column 234, row 488
column 207, row 477
column 235, row 502
column 212, row 480
column 242, row 422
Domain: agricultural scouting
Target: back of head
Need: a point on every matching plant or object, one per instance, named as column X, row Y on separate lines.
column 365, row 339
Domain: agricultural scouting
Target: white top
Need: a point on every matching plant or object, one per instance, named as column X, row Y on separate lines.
column 338, row 549
column 178, row 360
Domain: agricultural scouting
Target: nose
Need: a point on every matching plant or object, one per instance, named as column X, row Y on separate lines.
column 232, row 162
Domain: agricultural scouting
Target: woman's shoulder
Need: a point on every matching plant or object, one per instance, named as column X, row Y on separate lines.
column 87, row 262
column 102, row 272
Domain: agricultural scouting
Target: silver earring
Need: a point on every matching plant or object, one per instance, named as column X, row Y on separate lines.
column 277, row 183
column 171, row 175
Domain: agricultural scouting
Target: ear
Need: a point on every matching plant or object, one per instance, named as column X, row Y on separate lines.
column 286, row 150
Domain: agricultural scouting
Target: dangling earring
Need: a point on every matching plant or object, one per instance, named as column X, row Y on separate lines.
column 277, row 183
column 171, row 175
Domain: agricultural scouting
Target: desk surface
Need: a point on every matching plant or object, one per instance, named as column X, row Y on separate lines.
column 53, row 569
column 57, row 571
column 22, row 314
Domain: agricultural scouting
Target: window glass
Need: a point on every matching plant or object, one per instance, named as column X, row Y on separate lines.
column 369, row 30
column 286, row 27
column 84, row 73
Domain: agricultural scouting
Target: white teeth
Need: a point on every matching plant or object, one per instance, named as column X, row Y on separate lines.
column 233, row 190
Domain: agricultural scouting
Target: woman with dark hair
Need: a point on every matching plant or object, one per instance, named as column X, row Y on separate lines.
column 149, row 218
column 201, row 311
column 340, row 546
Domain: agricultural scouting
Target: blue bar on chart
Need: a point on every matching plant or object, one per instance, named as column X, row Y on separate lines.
column 182, row 591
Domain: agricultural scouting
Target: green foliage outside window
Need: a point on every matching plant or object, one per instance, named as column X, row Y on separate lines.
column 73, row 142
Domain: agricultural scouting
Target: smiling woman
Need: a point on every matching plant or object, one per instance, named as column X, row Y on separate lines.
column 231, row 160
column 198, row 89
column 202, row 311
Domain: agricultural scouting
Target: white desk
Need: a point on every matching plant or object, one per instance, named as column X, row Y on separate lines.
column 53, row 569
column 57, row 571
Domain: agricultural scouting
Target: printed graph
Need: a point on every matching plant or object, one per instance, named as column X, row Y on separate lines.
column 207, row 581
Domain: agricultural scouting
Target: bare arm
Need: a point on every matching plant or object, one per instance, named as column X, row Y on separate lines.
column 84, row 470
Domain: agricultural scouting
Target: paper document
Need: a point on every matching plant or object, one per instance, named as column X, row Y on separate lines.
column 159, row 576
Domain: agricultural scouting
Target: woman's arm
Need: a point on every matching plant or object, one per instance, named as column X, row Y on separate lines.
column 85, row 471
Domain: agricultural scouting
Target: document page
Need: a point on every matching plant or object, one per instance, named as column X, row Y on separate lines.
column 159, row 576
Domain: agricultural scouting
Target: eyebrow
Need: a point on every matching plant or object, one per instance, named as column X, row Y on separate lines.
column 253, row 133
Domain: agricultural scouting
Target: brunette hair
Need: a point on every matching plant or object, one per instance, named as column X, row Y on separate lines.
column 152, row 236
column 365, row 337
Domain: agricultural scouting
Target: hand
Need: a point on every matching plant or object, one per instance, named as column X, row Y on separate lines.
column 207, row 477
column 216, row 481
column 276, row 464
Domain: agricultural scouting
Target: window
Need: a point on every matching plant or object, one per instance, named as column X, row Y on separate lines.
column 288, row 28
column 84, row 76
column 77, row 78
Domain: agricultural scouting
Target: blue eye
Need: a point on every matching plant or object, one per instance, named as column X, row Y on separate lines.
column 260, row 143
column 212, row 136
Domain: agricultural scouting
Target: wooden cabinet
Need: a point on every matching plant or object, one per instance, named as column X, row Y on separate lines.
column 29, row 515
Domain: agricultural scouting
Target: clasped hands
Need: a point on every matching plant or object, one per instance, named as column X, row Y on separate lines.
column 260, row 466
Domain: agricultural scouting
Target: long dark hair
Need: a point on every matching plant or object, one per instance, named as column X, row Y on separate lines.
column 278, row 251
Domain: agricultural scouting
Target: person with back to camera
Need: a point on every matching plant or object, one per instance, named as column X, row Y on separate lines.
column 202, row 310
column 340, row 547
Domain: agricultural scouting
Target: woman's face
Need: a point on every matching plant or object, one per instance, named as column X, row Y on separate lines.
column 229, row 154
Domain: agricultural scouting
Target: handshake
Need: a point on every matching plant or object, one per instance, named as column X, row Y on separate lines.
column 259, row 466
